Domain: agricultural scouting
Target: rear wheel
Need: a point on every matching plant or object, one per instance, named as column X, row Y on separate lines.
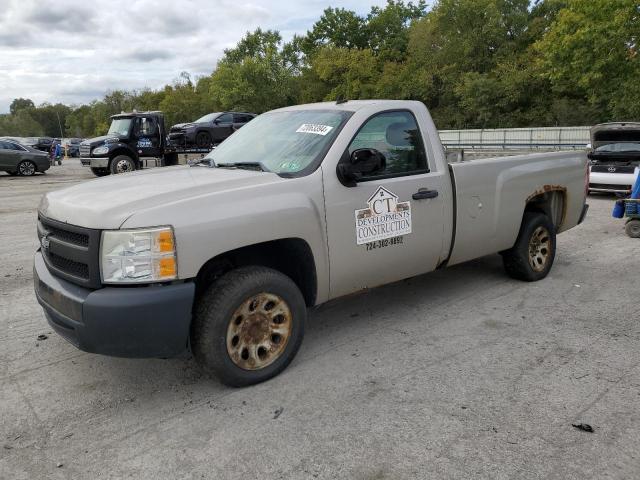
column 203, row 139
column 633, row 228
column 26, row 168
column 122, row 164
column 531, row 258
column 248, row 325
column 100, row 172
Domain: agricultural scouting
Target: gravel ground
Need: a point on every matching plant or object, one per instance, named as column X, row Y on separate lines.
column 462, row 373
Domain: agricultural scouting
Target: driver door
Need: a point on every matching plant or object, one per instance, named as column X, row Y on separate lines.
column 147, row 137
column 389, row 225
column 223, row 127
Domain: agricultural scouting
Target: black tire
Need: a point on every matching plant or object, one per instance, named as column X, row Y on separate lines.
column 203, row 140
column 122, row 164
column 633, row 228
column 535, row 246
column 100, row 172
column 217, row 313
column 27, row 168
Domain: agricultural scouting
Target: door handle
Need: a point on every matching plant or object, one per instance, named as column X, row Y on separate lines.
column 424, row 193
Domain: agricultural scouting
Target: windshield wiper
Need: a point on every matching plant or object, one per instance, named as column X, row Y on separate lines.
column 245, row 165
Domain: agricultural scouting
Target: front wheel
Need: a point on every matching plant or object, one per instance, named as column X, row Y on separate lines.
column 531, row 258
column 122, row 164
column 248, row 325
column 203, row 139
column 26, row 168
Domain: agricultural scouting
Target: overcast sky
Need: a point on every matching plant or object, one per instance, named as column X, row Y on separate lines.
column 74, row 51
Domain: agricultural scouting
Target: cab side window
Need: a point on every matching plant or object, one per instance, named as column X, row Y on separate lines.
column 396, row 135
column 146, row 126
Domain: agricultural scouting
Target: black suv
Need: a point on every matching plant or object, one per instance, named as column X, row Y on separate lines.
column 41, row 143
column 209, row 130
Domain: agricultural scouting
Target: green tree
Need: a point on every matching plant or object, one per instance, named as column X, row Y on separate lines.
column 257, row 75
column 19, row 124
column 387, row 28
column 348, row 73
column 21, row 104
column 337, row 27
column 52, row 118
column 591, row 50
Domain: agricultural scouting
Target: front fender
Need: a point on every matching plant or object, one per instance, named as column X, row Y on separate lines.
column 121, row 149
column 215, row 223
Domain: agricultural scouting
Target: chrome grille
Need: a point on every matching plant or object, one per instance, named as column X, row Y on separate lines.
column 70, row 252
column 85, row 150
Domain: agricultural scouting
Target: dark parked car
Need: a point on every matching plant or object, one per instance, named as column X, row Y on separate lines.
column 21, row 160
column 73, row 146
column 209, row 130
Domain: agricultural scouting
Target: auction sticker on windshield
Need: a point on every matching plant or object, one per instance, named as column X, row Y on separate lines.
column 385, row 217
column 314, row 128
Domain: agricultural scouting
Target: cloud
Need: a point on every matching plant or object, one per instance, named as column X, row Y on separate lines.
column 14, row 39
column 74, row 51
column 150, row 55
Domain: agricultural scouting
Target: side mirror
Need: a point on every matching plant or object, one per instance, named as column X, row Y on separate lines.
column 361, row 163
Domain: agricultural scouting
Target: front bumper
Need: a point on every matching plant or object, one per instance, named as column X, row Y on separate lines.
column 612, row 182
column 142, row 322
column 95, row 162
column 182, row 137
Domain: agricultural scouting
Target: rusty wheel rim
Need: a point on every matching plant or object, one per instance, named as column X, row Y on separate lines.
column 539, row 249
column 259, row 331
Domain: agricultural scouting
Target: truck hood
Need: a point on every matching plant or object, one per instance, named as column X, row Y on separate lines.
column 106, row 203
column 94, row 142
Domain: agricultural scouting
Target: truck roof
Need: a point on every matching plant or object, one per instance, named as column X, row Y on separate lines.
column 351, row 105
column 156, row 113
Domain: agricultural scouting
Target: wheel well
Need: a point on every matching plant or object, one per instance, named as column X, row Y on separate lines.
column 290, row 256
column 123, row 151
column 551, row 202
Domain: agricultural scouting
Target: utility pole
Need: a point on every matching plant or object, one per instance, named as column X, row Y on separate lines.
column 61, row 135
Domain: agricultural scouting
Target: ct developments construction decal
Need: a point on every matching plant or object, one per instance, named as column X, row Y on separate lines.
column 385, row 218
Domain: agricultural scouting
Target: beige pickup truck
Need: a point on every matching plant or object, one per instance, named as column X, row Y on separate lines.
column 302, row 205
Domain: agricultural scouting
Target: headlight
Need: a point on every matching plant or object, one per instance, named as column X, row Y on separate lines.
column 100, row 150
column 138, row 256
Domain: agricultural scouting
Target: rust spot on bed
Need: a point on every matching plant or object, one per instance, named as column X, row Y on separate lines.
column 547, row 189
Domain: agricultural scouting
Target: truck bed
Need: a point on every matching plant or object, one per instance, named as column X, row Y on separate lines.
column 491, row 194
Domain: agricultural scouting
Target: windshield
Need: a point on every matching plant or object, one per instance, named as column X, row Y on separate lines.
column 619, row 147
column 282, row 142
column 119, row 126
column 207, row 118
